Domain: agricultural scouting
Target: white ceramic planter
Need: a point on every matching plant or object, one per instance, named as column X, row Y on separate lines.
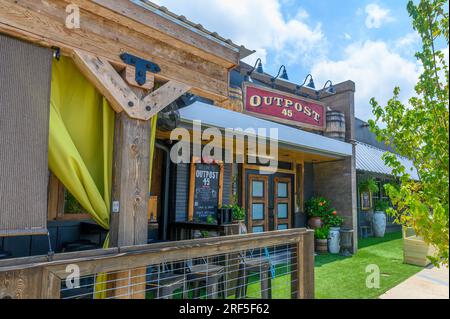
column 379, row 224
column 334, row 240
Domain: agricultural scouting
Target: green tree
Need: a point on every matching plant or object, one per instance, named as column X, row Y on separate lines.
column 420, row 132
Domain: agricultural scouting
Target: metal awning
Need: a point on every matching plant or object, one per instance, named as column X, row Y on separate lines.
column 213, row 116
column 369, row 159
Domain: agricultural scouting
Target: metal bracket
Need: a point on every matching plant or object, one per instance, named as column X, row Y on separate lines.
column 142, row 67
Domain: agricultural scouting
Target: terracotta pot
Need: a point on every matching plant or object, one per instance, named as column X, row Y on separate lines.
column 315, row 222
column 321, row 246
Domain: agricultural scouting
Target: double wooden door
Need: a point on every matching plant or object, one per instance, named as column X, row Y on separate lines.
column 269, row 201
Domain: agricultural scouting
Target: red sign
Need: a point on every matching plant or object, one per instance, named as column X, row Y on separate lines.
column 283, row 107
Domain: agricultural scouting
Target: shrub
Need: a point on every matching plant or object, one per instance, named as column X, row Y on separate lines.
column 334, row 220
column 322, row 233
column 318, row 207
column 382, row 205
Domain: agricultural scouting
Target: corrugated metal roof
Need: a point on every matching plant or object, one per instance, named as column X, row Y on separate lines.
column 214, row 116
column 181, row 19
column 369, row 159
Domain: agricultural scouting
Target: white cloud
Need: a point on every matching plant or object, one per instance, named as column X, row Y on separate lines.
column 376, row 16
column 347, row 36
column 259, row 25
column 375, row 68
column 408, row 44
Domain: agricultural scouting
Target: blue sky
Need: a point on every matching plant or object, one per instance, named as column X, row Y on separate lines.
column 368, row 41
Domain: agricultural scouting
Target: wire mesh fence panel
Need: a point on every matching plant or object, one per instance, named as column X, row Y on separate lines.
column 261, row 273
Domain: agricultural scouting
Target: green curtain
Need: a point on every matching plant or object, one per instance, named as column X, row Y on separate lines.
column 81, row 141
column 154, row 122
column 81, row 145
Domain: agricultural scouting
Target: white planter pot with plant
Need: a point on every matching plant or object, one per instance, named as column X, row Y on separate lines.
column 379, row 218
column 334, row 238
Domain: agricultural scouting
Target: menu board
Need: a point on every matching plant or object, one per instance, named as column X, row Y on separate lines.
column 206, row 191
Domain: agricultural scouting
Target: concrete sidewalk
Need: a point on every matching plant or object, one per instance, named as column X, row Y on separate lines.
column 430, row 283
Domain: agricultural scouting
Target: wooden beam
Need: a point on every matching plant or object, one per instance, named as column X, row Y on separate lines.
column 130, row 181
column 157, row 26
column 121, row 97
column 108, row 82
column 55, row 206
column 305, row 264
column 163, row 96
column 43, row 22
column 105, row 260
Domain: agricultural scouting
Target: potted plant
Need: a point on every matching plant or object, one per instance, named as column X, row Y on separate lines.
column 317, row 209
column 321, row 239
column 238, row 213
column 335, row 222
column 369, row 185
column 379, row 218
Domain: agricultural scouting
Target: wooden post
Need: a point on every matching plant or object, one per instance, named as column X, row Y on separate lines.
column 130, row 181
column 305, row 266
column 131, row 167
column 130, row 184
column 23, row 284
column 55, row 205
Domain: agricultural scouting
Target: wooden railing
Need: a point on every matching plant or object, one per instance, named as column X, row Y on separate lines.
column 37, row 277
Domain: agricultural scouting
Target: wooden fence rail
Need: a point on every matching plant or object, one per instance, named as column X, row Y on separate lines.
column 37, row 277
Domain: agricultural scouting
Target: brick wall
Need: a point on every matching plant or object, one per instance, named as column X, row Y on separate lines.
column 337, row 180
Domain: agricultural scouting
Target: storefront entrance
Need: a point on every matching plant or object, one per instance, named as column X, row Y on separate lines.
column 269, row 201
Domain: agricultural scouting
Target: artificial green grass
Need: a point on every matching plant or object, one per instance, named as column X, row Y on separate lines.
column 338, row 277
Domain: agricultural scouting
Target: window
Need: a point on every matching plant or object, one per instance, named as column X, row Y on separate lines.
column 282, row 211
column 258, row 211
column 282, row 190
column 258, row 189
column 258, row 229
column 62, row 205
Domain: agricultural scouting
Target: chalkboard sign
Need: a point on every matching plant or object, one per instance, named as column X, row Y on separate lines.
column 206, row 191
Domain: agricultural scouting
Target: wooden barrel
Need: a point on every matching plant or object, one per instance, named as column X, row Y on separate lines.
column 335, row 125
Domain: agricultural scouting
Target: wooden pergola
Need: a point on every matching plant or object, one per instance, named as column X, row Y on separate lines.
column 189, row 59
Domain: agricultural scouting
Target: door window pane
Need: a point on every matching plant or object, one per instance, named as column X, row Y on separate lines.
column 258, row 229
column 282, row 190
column 282, row 210
column 258, row 211
column 282, row 226
column 258, row 189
